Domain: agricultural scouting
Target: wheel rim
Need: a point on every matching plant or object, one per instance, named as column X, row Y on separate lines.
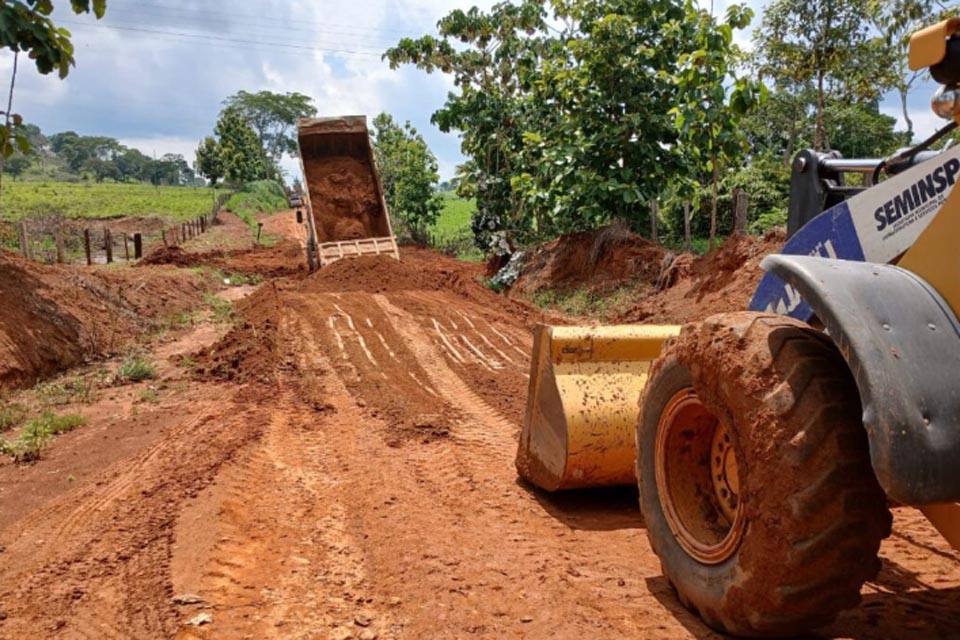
column 698, row 479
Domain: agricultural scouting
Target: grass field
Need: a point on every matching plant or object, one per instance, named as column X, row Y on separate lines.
column 451, row 233
column 108, row 200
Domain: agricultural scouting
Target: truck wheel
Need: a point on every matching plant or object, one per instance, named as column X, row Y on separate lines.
column 755, row 476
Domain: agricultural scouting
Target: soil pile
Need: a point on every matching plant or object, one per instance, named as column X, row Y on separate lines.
column 343, row 194
column 272, row 262
column 175, row 255
column 694, row 288
column 598, row 260
column 248, row 353
column 419, row 270
column 54, row 318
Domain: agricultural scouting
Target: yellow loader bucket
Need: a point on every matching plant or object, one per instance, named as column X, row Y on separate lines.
column 582, row 406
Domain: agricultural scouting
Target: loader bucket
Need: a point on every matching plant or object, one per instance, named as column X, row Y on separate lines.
column 582, row 406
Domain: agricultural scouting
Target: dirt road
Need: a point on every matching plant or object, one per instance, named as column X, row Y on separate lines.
column 355, row 479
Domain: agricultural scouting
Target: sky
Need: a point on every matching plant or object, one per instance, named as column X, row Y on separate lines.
column 153, row 73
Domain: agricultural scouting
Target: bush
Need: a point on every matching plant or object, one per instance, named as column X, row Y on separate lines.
column 136, row 369
column 37, row 434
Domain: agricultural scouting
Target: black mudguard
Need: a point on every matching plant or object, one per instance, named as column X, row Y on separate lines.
column 902, row 343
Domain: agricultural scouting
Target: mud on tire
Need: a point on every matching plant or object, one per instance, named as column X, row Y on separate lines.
column 810, row 510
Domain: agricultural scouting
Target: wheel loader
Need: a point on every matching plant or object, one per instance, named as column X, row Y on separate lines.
column 768, row 444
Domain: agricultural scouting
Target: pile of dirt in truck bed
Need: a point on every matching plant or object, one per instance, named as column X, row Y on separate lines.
column 343, row 194
column 56, row 317
column 694, row 288
column 597, row 260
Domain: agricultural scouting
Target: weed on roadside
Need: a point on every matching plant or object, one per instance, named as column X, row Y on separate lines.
column 11, row 415
column 220, row 309
column 37, row 435
column 239, row 279
column 61, row 392
column 150, row 396
column 136, row 368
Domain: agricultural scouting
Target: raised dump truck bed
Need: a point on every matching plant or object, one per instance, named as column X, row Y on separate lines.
column 348, row 213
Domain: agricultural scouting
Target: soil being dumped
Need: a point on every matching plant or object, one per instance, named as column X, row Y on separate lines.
column 56, row 317
column 343, row 194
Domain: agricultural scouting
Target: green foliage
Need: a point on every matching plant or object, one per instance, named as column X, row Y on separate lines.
column 239, row 148
column 37, row 435
column 209, row 163
column 221, row 310
column 266, row 196
column 273, row 117
column 25, row 25
column 106, row 200
column 409, row 173
column 11, row 415
column 602, row 305
column 150, row 396
column 451, row 233
column 136, row 368
column 567, row 130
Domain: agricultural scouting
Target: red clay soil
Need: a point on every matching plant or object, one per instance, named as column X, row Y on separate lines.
column 719, row 282
column 286, row 260
column 248, row 352
column 56, row 317
column 367, row 490
column 597, row 260
column 343, row 194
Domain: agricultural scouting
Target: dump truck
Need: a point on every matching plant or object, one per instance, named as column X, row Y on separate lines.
column 768, row 444
column 347, row 213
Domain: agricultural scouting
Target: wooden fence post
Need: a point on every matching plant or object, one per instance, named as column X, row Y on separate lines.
column 203, row 224
column 163, row 235
column 183, row 232
column 654, row 213
column 24, row 240
column 126, row 247
column 259, row 230
column 61, row 251
column 686, row 226
column 108, row 243
column 86, row 246
column 137, row 246
column 740, row 201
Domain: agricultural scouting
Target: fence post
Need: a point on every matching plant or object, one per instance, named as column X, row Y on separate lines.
column 137, row 246
column 686, row 226
column 203, row 224
column 654, row 214
column 126, row 247
column 183, row 232
column 86, row 246
column 61, row 251
column 740, row 201
column 259, row 230
column 24, row 240
column 163, row 235
column 108, row 243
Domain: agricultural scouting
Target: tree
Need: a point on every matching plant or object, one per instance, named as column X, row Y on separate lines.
column 239, row 148
column 487, row 54
column 16, row 164
column 825, row 44
column 130, row 165
column 25, row 25
column 712, row 99
column 209, row 163
column 897, row 20
column 409, row 173
column 101, row 169
column 273, row 117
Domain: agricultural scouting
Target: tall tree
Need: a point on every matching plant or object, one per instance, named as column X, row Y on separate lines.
column 712, row 100
column 240, row 150
column 409, row 172
column 209, row 162
column 273, row 117
column 826, row 44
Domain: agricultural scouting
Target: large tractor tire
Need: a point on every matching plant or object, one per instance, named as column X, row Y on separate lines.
column 755, row 476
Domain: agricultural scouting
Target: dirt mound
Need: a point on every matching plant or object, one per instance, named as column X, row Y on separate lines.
column 343, row 194
column 694, row 288
column 54, row 318
column 271, row 262
column 597, row 260
column 248, row 353
column 420, row 270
